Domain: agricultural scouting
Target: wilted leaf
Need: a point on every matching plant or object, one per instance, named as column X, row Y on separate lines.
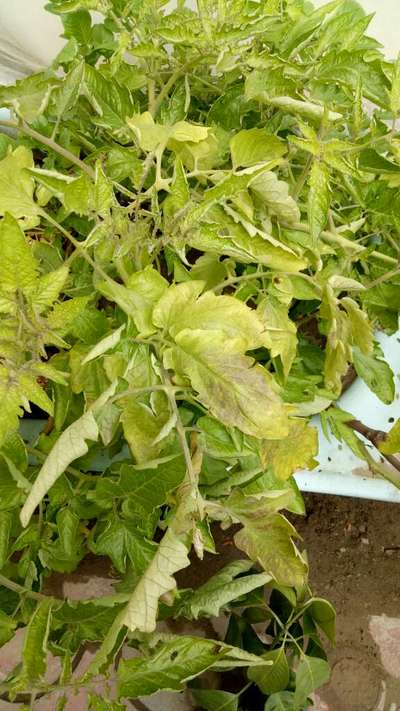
column 174, row 663
column 141, row 611
column 223, row 588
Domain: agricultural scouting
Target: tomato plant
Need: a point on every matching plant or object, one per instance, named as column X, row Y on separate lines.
column 200, row 211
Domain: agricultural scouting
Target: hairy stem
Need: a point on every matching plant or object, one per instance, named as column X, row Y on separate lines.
column 64, row 152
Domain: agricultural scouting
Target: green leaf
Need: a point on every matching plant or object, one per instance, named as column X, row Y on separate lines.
column 282, row 701
column 235, row 390
column 5, row 532
column 7, row 628
column 391, row 443
column 174, row 663
column 223, row 588
column 215, row 700
column 77, row 25
column 29, row 97
column 64, row 554
column 319, row 199
column 271, row 679
column 76, row 194
column 142, row 427
column 70, row 89
column 111, row 102
column 376, row 373
column 14, row 249
column 145, row 488
column 311, row 674
column 121, row 541
column 16, row 185
column 324, row 615
column 34, row 651
column 255, row 145
column 141, row 612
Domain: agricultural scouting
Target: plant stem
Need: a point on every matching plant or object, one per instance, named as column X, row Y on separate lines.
column 384, row 277
column 64, row 152
column 336, row 239
column 375, row 437
column 155, row 102
column 15, row 587
column 78, row 246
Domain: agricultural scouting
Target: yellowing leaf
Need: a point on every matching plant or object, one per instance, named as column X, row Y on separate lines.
column 361, row 327
column 48, row 287
column 174, row 300
column 275, row 194
column 213, row 313
column 141, row 428
column 318, row 199
column 391, row 443
column 18, row 266
column 266, row 537
column 236, row 391
column 338, row 347
column 152, row 136
column 280, row 335
column 255, row 145
column 16, row 185
column 303, row 108
column 145, row 290
column 296, row 451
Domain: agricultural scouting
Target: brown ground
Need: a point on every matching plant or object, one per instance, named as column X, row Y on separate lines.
column 354, row 553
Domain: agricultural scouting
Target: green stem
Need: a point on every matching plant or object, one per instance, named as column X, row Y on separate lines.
column 15, row 587
column 155, row 102
column 384, row 277
column 336, row 239
column 64, row 152
column 78, row 246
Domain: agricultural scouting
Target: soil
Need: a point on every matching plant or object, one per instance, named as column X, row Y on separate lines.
column 354, row 553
